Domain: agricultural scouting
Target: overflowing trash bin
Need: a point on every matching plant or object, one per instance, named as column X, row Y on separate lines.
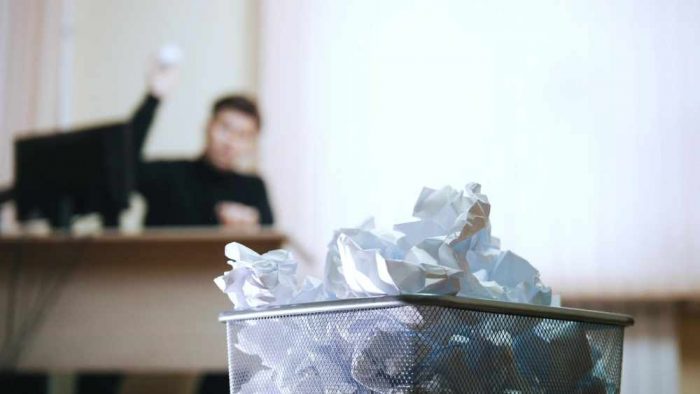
column 423, row 344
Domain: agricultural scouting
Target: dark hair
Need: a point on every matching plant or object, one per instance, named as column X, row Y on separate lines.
column 238, row 103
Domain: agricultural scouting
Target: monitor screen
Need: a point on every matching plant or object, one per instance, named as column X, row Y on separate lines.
column 77, row 172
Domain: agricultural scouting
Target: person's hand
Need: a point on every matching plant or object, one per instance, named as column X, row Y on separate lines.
column 236, row 214
column 162, row 80
column 164, row 71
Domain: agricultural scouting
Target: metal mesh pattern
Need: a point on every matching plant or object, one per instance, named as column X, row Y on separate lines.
column 422, row 349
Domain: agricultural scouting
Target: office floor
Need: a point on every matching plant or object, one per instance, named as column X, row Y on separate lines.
column 113, row 383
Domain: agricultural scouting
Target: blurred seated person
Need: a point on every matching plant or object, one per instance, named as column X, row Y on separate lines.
column 208, row 190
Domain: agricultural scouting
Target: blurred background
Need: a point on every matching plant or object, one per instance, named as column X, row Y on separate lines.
column 579, row 119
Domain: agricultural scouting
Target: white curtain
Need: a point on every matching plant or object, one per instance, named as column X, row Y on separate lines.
column 35, row 45
column 579, row 119
column 651, row 355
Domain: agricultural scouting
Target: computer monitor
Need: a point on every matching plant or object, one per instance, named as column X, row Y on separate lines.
column 77, row 172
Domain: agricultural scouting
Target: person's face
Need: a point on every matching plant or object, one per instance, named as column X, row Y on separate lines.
column 231, row 135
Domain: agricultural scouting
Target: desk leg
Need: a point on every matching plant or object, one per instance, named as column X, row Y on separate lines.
column 62, row 383
column 171, row 383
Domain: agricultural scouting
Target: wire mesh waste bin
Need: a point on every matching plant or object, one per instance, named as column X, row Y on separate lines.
column 424, row 344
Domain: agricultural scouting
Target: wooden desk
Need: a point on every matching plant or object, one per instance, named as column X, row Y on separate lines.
column 140, row 302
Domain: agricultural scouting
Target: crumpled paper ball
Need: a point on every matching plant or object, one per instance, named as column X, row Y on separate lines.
column 268, row 279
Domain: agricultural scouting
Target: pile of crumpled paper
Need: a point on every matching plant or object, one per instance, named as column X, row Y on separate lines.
column 447, row 250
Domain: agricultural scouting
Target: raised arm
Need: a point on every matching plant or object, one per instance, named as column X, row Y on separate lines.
column 141, row 122
column 161, row 80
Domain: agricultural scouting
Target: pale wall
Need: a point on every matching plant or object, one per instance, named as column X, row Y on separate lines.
column 114, row 40
column 579, row 119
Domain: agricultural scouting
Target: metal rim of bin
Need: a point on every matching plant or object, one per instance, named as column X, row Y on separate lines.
column 474, row 304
